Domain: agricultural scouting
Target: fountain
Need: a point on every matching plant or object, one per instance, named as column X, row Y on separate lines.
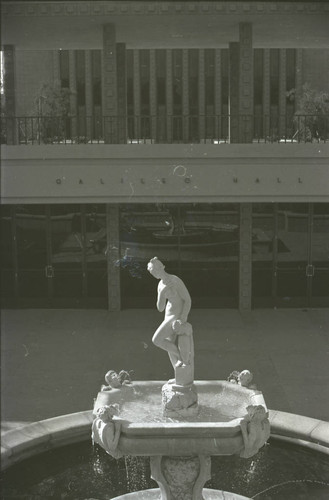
column 180, row 423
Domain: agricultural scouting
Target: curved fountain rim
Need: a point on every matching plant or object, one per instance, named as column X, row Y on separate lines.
column 38, row 437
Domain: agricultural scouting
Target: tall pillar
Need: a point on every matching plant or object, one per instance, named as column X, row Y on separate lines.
column 56, row 70
column 298, row 76
column 137, row 95
column 109, row 100
column 153, row 96
column 169, row 95
column 246, row 83
column 185, row 95
column 234, row 92
column 113, row 257
column 266, row 94
column 73, row 93
column 282, row 93
column 218, row 94
column 242, row 86
column 9, row 92
column 89, row 96
column 245, row 260
column 202, row 96
column 122, row 92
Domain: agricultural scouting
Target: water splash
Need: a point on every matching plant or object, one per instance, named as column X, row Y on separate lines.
column 137, row 472
column 294, row 481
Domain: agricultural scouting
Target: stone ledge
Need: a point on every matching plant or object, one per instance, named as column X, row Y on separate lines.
column 208, row 494
column 17, row 445
column 184, row 152
column 300, row 427
column 102, row 8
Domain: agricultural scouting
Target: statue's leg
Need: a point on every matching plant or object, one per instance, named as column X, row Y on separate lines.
column 164, row 339
column 185, row 348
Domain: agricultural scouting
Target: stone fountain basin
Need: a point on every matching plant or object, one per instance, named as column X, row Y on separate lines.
column 214, row 431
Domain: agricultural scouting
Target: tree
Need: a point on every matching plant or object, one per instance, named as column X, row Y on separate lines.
column 52, row 107
column 312, row 115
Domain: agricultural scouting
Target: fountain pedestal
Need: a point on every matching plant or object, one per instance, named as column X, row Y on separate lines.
column 181, row 478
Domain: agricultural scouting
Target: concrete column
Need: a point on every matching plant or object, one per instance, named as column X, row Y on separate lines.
column 185, row 96
column 169, row 95
column 266, row 94
column 298, row 76
column 246, row 83
column 113, row 257
column 109, row 74
column 56, row 70
column 202, row 96
column 181, row 477
column 282, row 93
column 234, row 79
column 9, row 92
column 153, row 96
column 245, row 257
column 137, row 95
column 73, row 92
column 89, row 96
column 218, row 94
column 122, row 92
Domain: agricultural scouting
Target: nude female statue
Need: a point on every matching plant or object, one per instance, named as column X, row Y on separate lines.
column 174, row 298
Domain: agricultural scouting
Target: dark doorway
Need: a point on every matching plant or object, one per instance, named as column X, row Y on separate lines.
column 291, row 258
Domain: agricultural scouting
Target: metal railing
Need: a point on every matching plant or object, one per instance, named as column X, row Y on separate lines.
column 166, row 129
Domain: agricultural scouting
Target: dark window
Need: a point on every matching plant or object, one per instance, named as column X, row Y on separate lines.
column 144, row 60
column 225, row 79
column 274, row 77
column 160, row 58
column 96, row 77
column 193, row 80
column 130, row 82
column 258, row 77
column 290, row 79
column 177, row 80
column 64, row 68
column 81, row 78
column 209, row 56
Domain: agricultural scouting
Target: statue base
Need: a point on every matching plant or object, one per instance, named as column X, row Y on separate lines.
column 179, row 400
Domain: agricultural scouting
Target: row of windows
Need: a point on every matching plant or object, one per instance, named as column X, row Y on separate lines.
column 211, row 74
column 62, row 252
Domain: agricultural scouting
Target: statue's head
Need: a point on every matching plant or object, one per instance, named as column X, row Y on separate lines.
column 112, row 379
column 245, row 378
column 256, row 412
column 155, row 267
column 107, row 412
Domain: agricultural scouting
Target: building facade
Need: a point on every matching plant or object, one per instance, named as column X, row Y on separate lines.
column 194, row 131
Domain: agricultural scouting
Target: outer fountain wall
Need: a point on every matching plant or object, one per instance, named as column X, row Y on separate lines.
column 32, row 439
column 284, row 461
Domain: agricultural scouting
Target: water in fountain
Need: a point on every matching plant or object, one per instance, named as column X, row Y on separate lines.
column 279, row 471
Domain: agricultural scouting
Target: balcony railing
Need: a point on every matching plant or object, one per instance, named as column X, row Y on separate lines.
column 167, row 129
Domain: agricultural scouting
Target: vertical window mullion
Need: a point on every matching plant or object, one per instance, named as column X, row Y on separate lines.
column 84, row 251
column 14, row 247
column 275, row 253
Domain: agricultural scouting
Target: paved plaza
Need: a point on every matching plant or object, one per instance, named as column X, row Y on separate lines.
column 53, row 361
